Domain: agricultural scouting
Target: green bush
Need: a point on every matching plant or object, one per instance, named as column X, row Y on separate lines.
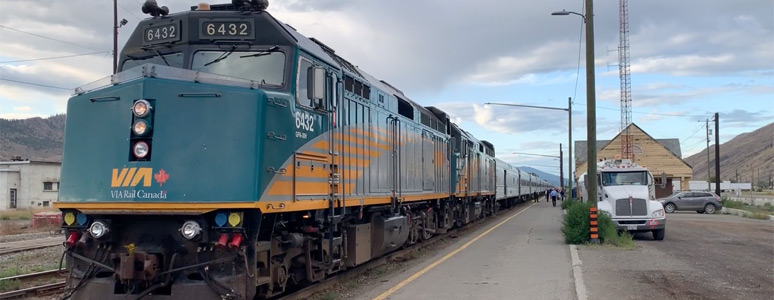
column 608, row 234
column 575, row 226
column 732, row 203
column 566, row 203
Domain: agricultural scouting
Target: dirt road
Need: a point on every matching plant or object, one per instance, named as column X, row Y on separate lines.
column 702, row 257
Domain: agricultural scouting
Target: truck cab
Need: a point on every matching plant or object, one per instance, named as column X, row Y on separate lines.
column 626, row 192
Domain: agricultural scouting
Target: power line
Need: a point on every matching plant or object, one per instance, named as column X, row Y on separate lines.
column 692, row 134
column 53, row 39
column 580, row 39
column 55, row 57
column 129, row 11
column 36, row 84
column 646, row 113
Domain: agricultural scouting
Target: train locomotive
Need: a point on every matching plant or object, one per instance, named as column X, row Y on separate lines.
column 230, row 157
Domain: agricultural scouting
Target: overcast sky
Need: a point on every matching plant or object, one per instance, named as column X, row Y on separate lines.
column 689, row 59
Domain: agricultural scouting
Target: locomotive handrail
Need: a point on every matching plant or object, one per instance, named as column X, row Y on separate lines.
column 103, row 99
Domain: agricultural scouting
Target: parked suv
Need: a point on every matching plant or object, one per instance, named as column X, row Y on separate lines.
column 701, row 202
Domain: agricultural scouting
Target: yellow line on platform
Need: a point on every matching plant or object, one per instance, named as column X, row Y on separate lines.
column 447, row 256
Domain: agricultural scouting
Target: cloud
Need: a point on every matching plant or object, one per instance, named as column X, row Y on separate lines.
column 506, row 119
column 743, row 118
column 423, row 47
column 21, row 116
column 22, row 108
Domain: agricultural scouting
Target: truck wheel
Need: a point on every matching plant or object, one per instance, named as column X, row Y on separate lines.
column 659, row 234
column 709, row 208
column 669, row 208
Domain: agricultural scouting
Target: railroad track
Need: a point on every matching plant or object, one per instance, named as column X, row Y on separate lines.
column 40, row 282
column 353, row 273
column 18, row 246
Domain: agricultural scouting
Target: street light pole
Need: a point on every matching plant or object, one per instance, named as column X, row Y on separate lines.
column 591, row 102
column 569, row 131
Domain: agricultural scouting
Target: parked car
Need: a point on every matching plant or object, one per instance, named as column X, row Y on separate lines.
column 701, row 202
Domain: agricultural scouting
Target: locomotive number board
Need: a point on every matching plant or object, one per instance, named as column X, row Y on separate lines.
column 162, row 33
column 229, row 29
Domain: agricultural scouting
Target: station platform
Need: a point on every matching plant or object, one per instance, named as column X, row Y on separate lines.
column 520, row 256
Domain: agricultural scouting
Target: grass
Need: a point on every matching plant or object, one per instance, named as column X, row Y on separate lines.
column 329, row 296
column 10, row 228
column 9, row 285
column 752, row 211
column 22, row 214
column 22, row 269
column 576, row 228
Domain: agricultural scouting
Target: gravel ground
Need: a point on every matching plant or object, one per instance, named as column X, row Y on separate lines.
column 702, row 257
column 27, row 236
column 30, row 261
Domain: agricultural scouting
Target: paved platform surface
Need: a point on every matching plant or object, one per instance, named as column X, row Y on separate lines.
column 524, row 258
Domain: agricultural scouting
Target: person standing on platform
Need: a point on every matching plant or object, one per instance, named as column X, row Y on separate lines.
column 554, row 194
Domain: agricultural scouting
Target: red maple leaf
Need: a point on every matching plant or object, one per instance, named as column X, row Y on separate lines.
column 161, row 177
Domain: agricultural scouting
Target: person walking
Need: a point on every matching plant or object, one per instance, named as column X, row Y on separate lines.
column 561, row 193
column 554, row 194
column 548, row 194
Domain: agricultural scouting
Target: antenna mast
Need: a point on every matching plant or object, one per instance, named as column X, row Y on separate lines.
column 624, row 72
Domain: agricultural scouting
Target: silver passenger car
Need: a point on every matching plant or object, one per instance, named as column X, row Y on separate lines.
column 701, row 202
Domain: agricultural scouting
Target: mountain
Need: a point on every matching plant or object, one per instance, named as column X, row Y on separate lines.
column 745, row 154
column 33, row 138
column 551, row 178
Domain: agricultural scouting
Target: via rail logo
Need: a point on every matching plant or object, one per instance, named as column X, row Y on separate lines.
column 134, row 177
column 131, row 177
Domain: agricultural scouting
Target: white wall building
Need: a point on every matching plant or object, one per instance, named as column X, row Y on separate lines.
column 28, row 184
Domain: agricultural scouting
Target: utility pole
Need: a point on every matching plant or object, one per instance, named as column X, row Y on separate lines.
column 706, row 124
column 115, row 36
column 570, row 162
column 561, row 167
column 591, row 106
column 717, row 155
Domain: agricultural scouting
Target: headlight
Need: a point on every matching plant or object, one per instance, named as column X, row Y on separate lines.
column 98, row 229
column 190, row 229
column 141, row 108
column 658, row 214
column 140, row 149
column 140, row 127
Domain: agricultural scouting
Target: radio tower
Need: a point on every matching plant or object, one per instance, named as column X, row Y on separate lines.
column 624, row 72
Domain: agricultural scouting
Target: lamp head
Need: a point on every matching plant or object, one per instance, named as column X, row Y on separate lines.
column 560, row 13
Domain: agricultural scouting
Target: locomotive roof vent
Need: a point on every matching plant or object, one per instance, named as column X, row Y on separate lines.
column 152, row 8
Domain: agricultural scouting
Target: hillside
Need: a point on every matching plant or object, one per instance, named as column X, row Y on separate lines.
column 33, row 139
column 746, row 153
column 551, row 178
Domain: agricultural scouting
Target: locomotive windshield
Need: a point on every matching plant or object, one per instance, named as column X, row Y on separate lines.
column 262, row 66
column 170, row 59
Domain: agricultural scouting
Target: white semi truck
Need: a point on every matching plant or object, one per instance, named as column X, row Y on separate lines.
column 627, row 193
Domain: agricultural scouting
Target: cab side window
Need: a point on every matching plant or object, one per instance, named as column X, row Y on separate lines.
column 302, row 95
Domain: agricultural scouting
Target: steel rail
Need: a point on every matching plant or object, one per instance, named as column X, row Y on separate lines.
column 39, row 290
